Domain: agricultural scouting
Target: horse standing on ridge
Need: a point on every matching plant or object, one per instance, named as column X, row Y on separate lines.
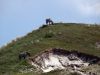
column 49, row 21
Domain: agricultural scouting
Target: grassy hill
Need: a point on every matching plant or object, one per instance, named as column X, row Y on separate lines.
column 70, row 36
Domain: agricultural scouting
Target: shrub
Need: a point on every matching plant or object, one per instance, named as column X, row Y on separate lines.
column 49, row 35
column 43, row 26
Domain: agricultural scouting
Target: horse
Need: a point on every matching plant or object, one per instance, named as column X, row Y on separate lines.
column 24, row 55
column 49, row 21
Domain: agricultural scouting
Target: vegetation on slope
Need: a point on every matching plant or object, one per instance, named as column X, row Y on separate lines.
column 69, row 36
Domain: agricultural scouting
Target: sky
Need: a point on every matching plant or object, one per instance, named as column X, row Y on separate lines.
column 18, row 17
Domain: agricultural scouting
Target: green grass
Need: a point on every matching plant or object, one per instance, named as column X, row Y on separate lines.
column 70, row 36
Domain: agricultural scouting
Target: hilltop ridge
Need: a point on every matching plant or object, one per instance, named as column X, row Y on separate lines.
column 84, row 38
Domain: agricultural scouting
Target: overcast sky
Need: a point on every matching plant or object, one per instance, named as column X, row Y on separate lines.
column 18, row 17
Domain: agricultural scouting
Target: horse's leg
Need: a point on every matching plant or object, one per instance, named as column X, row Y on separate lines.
column 49, row 22
column 46, row 21
column 52, row 23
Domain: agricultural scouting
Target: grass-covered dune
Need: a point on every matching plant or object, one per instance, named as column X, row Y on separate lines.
column 70, row 36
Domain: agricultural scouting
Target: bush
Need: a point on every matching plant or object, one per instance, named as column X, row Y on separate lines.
column 43, row 26
column 49, row 35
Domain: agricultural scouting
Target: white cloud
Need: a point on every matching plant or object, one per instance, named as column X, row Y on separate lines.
column 88, row 7
column 84, row 7
column 97, row 8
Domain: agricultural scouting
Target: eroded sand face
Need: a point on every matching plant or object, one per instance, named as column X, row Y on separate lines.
column 60, row 59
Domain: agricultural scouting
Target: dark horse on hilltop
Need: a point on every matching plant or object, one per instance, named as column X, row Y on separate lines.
column 24, row 55
column 49, row 21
